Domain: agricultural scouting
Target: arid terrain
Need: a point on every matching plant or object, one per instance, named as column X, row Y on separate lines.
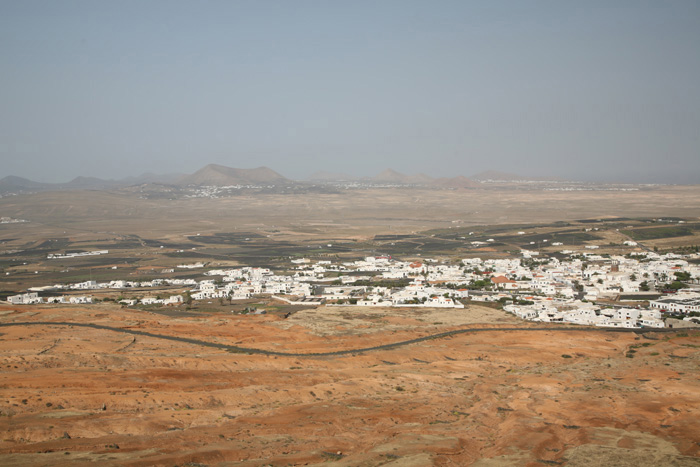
column 545, row 397
column 145, row 235
column 345, row 213
column 277, row 233
column 119, row 386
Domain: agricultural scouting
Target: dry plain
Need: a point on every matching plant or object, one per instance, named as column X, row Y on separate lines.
column 71, row 395
column 345, row 214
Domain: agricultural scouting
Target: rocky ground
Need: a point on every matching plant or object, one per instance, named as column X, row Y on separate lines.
column 591, row 397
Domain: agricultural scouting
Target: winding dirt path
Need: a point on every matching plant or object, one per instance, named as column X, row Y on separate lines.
column 393, row 345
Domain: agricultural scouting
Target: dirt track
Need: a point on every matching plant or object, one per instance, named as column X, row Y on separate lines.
column 333, row 353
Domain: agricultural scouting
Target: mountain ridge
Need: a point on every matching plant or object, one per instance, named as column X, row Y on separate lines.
column 392, row 176
column 220, row 175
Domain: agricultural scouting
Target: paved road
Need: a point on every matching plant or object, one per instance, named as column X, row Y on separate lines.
column 393, row 345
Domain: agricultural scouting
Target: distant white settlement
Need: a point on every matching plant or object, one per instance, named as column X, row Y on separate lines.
column 10, row 220
column 586, row 289
column 77, row 254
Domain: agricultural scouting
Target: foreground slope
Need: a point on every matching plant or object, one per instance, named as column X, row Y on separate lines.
column 488, row 398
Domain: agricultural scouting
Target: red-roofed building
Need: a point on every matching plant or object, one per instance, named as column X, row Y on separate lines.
column 503, row 282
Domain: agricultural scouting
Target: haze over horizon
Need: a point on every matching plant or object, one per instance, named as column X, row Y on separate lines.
column 598, row 91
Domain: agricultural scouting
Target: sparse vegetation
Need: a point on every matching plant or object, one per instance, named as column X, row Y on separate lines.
column 393, row 391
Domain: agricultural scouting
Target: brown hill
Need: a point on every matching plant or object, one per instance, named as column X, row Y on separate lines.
column 13, row 184
column 16, row 184
column 392, row 176
column 219, row 175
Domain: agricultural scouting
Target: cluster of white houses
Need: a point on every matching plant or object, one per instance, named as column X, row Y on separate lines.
column 10, row 220
column 682, row 303
column 534, row 288
column 77, row 254
column 32, row 298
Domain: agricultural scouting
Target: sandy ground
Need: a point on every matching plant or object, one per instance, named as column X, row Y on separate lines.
column 72, row 395
column 352, row 320
column 355, row 213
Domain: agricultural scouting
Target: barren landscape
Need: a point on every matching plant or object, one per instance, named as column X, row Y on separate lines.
column 355, row 234
column 547, row 397
column 259, row 229
column 332, row 385
column 346, row 213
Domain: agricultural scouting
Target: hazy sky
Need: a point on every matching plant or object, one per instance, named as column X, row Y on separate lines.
column 606, row 90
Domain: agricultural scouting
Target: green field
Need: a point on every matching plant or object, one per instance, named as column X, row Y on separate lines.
column 653, row 233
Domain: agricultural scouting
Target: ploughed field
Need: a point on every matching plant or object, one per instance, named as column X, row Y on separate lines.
column 71, row 394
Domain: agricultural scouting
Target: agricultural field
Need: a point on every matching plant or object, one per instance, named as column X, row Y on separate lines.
column 146, row 236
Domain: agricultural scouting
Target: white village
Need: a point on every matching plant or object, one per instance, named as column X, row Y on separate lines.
column 584, row 288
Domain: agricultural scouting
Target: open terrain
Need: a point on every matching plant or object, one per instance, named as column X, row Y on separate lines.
column 493, row 397
column 345, row 213
column 144, row 236
column 169, row 386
